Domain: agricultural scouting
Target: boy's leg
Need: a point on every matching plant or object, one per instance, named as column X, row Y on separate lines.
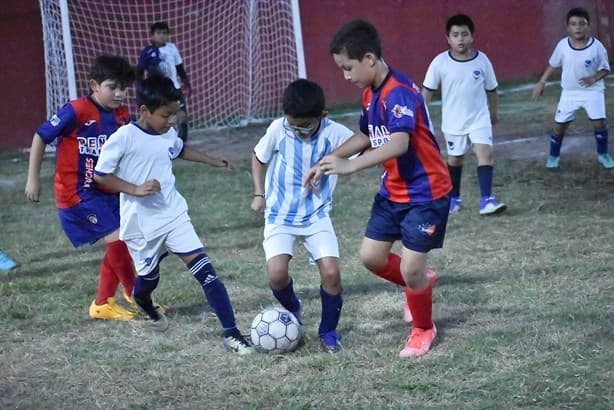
column 332, row 303
column 456, row 146
column 120, row 262
column 601, row 139
column 565, row 114
column 282, row 284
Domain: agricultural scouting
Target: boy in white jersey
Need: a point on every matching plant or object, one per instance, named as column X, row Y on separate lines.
column 584, row 64
column 469, row 109
column 137, row 162
column 291, row 146
column 162, row 57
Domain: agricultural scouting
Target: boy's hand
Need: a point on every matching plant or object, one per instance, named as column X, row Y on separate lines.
column 225, row 163
column 33, row 189
column 312, row 179
column 258, row 204
column 587, row 81
column 538, row 90
column 150, row 187
column 186, row 90
column 331, row 164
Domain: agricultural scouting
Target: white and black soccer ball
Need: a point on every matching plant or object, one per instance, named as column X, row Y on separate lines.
column 275, row 330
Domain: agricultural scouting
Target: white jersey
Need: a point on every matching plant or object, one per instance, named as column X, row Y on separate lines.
column 289, row 158
column 169, row 60
column 463, row 91
column 577, row 63
column 136, row 155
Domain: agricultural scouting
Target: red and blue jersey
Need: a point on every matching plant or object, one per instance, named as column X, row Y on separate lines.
column 419, row 174
column 81, row 127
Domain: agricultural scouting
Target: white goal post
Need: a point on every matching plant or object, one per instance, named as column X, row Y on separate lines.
column 239, row 54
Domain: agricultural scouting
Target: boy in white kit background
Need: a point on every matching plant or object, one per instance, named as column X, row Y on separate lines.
column 469, row 109
column 584, row 63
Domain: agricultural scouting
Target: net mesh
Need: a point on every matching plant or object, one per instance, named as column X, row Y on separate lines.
column 239, row 54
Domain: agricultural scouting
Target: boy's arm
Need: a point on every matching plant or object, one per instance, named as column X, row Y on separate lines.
column 332, row 164
column 538, row 89
column 493, row 105
column 190, row 154
column 33, row 183
column 149, row 187
column 427, row 94
column 186, row 89
column 258, row 172
column 590, row 80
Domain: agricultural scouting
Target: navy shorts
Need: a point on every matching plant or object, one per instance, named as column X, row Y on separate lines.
column 421, row 226
column 91, row 219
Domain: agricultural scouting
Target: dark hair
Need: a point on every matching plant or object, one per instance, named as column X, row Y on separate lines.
column 578, row 12
column 303, row 99
column 158, row 26
column 355, row 39
column 115, row 68
column 459, row 20
column 156, row 91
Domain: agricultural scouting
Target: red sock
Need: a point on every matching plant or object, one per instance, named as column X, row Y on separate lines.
column 421, row 306
column 108, row 283
column 392, row 271
column 119, row 260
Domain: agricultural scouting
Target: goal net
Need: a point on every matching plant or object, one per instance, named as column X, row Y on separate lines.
column 239, row 54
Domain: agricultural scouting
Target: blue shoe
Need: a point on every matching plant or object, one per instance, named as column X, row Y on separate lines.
column 6, row 263
column 489, row 206
column 455, row 204
column 553, row 162
column 331, row 342
column 606, row 160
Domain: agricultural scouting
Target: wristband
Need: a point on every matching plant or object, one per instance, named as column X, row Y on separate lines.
column 260, row 195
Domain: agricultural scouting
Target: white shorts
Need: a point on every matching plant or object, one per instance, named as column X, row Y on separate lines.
column 319, row 238
column 458, row 145
column 148, row 254
column 592, row 102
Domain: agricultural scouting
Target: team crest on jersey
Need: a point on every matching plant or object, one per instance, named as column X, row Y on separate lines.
column 400, row 110
column 587, row 63
column 450, row 144
column 171, row 152
column 55, row 120
column 476, row 74
column 92, row 218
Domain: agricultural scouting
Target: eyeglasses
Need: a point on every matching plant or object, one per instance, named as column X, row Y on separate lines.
column 303, row 129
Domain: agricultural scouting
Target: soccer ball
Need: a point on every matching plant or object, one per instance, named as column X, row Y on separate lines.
column 275, row 330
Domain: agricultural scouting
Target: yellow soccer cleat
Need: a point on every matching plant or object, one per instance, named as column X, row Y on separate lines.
column 110, row 311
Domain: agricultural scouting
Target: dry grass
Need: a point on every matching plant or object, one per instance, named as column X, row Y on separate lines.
column 524, row 302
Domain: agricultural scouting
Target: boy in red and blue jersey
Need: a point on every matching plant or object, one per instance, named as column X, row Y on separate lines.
column 87, row 212
column 413, row 200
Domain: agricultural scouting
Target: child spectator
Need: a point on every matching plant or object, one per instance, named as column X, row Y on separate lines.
column 584, row 64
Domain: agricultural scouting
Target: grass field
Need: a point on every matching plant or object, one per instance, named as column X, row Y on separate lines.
column 524, row 304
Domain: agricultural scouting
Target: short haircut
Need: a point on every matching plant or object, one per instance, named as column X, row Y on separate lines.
column 115, row 68
column 459, row 20
column 578, row 12
column 303, row 99
column 156, row 91
column 159, row 26
column 355, row 39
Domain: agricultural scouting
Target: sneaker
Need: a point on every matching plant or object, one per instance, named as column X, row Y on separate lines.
column 6, row 263
column 238, row 344
column 160, row 324
column 553, row 162
column 455, row 204
column 419, row 342
column 432, row 275
column 331, row 342
column 110, row 311
column 134, row 307
column 489, row 206
column 606, row 160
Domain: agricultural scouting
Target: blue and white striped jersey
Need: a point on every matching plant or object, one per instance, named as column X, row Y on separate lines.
column 289, row 158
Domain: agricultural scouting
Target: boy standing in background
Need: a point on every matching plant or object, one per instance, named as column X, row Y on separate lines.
column 163, row 57
column 469, row 109
column 584, row 63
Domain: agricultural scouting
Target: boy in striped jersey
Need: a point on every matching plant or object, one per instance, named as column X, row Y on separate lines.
column 291, row 146
column 413, row 200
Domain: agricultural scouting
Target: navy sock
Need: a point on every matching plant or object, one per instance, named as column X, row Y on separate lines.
column 555, row 145
column 215, row 291
column 143, row 288
column 288, row 299
column 485, row 180
column 601, row 138
column 455, row 175
column 331, row 311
